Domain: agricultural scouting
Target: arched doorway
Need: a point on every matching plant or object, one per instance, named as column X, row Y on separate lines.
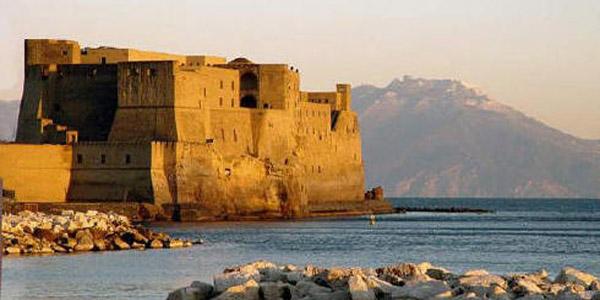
column 248, row 101
column 249, row 81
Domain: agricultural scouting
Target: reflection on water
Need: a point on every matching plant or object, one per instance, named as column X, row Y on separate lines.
column 523, row 235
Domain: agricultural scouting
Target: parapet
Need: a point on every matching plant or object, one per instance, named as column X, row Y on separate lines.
column 48, row 51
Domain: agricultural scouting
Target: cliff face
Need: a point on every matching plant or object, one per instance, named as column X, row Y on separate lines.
column 442, row 138
column 9, row 111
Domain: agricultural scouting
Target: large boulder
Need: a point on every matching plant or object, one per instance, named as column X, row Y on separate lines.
column 381, row 288
column 234, row 278
column 246, row 291
column 422, row 290
column 189, row 293
column 85, row 241
column 406, row 271
column 358, row 288
column 309, row 288
column 572, row 275
column 275, row 290
column 481, row 282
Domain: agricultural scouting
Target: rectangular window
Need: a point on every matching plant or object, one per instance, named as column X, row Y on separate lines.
column 233, row 85
column 127, row 159
column 221, row 84
column 79, row 158
column 220, row 101
column 102, row 159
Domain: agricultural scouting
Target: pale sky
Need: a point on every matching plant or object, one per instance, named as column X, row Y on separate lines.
column 540, row 57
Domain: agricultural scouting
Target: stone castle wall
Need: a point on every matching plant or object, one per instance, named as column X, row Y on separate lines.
column 36, row 173
column 192, row 134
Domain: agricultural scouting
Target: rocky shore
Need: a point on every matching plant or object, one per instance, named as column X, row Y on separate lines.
column 38, row 233
column 264, row 280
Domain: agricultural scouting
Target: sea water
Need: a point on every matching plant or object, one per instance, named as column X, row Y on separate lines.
column 521, row 236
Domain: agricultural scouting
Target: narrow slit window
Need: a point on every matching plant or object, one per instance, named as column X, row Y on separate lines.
column 102, row 159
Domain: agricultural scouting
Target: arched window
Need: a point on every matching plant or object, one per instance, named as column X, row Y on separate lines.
column 249, row 81
column 248, row 101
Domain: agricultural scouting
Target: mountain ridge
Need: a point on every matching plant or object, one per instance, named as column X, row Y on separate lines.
column 446, row 138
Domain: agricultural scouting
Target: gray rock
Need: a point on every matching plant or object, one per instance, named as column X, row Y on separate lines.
column 337, row 295
column 382, row 289
column 359, row 290
column 246, row 291
column 85, row 241
column 275, row 290
column 309, row 288
column 572, row 275
column 272, row 274
column 226, row 280
column 188, row 293
column 404, row 270
column 155, row 244
column 524, row 287
column 481, row 284
column 294, row 277
column 121, row 244
column 204, row 289
column 423, row 290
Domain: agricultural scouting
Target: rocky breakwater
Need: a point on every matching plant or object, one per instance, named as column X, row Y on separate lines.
column 264, row 280
column 38, row 233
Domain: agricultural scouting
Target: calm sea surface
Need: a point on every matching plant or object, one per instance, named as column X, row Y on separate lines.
column 523, row 235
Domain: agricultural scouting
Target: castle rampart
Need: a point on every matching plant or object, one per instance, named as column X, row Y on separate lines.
column 195, row 135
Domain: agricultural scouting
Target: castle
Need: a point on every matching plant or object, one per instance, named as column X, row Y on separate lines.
column 195, row 135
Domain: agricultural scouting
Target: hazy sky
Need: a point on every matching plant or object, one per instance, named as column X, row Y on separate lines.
column 541, row 57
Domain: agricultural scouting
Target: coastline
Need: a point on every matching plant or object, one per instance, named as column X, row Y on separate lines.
column 145, row 212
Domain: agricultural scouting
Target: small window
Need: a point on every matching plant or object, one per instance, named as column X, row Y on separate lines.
column 221, row 84
column 233, row 85
column 102, row 159
column 232, row 102
column 103, row 60
column 223, row 134
column 127, row 159
column 204, row 92
column 234, row 136
column 319, row 168
column 220, row 101
column 65, row 52
column 79, row 158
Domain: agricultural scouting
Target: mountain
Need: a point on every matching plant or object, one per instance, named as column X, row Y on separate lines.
column 9, row 112
column 444, row 138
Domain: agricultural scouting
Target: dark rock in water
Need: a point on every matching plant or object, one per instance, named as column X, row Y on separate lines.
column 442, row 210
column 375, row 193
